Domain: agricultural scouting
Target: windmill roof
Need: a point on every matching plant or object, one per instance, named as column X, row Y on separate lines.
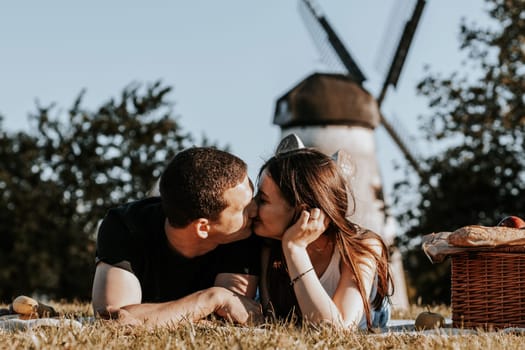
column 326, row 99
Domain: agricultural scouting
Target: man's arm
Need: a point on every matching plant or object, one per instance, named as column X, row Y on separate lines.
column 242, row 284
column 117, row 291
column 241, row 265
column 114, row 287
column 244, row 287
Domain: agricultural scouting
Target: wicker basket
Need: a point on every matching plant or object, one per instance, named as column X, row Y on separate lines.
column 488, row 289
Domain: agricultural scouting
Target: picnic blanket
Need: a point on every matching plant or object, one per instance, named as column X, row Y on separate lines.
column 14, row 323
column 398, row 326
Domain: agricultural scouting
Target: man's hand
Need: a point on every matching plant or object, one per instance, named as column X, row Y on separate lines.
column 117, row 295
column 237, row 308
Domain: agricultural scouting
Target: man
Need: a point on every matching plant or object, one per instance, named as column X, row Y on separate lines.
column 186, row 254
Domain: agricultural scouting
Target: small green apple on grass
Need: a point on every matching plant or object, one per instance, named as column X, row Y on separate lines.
column 429, row 320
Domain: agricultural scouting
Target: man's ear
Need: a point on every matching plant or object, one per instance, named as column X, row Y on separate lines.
column 202, row 227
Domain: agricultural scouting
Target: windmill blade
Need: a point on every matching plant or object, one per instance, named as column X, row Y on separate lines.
column 393, row 76
column 402, row 50
column 400, row 141
column 395, row 134
column 330, row 46
column 400, row 13
column 325, row 49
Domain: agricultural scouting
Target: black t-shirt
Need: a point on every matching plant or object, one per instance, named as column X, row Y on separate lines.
column 132, row 236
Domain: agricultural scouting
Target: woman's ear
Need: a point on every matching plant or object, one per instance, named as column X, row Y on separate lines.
column 202, row 228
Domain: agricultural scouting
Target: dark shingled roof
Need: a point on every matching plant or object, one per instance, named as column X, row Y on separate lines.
column 326, row 99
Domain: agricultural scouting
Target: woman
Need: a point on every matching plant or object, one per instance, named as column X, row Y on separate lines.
column 319, row 266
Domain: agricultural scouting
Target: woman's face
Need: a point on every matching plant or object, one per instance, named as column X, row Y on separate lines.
column 274, row 214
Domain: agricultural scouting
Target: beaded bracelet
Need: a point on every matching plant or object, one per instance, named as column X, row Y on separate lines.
column 300, row 275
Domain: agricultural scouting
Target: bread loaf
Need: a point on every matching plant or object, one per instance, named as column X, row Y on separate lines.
column 485, row 236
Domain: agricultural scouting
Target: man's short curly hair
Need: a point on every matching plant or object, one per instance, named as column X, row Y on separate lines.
column 193, row 184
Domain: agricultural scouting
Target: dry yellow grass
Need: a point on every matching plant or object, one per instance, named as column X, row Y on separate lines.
column 218, row 335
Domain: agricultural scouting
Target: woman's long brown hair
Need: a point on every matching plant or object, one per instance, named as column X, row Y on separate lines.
column 308, row 178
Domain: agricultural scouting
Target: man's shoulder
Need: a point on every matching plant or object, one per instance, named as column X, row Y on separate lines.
column 137, row 216
column 139, row 207
column 138, row 210
column 128, row 229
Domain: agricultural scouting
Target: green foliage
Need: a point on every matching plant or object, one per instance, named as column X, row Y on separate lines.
column 58, row 181
column 478, row 120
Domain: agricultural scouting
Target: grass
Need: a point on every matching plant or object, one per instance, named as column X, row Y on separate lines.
column 218, row 335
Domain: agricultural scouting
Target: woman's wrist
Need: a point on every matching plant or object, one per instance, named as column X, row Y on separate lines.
column 292, row 245
column 299, row 276
column 296, row 258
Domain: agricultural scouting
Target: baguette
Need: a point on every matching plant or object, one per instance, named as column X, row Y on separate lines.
column 30, row 308
column 485, row 236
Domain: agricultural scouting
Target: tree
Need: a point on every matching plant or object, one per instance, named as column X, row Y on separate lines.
column 478, row 119
column 59, row 181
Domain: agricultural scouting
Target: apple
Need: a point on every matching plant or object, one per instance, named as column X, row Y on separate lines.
column 512, row 221
column 429, row 320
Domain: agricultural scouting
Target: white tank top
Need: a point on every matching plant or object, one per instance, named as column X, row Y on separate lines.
column 331, row 276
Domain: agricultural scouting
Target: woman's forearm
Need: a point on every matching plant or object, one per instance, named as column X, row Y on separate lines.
column 316, row 305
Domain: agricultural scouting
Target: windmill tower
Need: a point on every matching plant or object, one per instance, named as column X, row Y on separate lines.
column 331, row 112
column 334, row 111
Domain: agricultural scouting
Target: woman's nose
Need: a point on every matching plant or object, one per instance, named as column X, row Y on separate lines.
column 252, row 210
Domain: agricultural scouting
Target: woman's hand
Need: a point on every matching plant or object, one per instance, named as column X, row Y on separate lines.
column 310, row 225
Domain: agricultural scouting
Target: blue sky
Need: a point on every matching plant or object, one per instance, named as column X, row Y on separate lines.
column 228, row 61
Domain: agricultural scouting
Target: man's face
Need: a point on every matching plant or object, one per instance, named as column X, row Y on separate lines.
column 235, row 221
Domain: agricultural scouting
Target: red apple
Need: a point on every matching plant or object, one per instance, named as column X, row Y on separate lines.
column 512, row 221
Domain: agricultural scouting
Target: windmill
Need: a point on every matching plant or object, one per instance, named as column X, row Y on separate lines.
column 334, row 53
column 334, row 111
